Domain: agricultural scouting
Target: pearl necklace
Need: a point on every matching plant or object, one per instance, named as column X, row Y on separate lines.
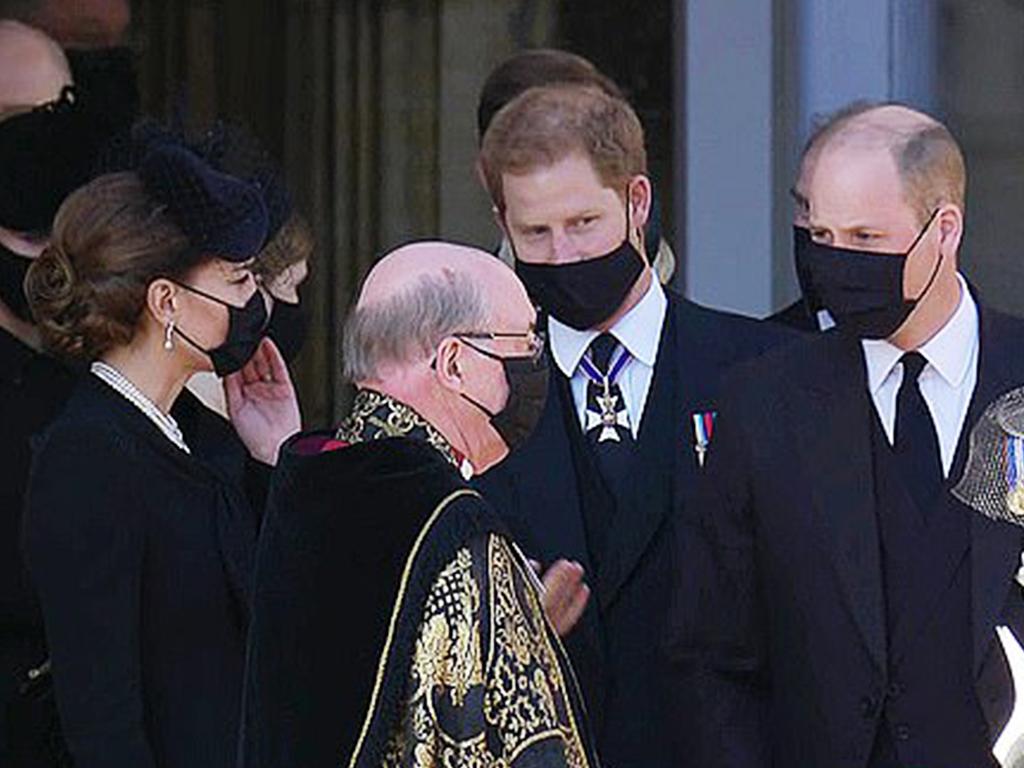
column 120, row 384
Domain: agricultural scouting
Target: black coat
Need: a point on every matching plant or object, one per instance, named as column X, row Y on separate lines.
column 354, row 541
column 142, row 559
column 33, row 389
column 797, row 634
column 795, row 316
column 617, row 648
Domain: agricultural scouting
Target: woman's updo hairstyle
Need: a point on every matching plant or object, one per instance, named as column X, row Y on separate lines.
column 110, row 240
column 169, row 211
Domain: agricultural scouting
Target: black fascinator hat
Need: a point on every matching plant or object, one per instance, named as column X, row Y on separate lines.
column 222, row 215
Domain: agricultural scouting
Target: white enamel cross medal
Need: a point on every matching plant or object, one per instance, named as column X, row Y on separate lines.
column 608, row 417
column 611, row 413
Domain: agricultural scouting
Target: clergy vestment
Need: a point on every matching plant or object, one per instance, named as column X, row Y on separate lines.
column 394, row 622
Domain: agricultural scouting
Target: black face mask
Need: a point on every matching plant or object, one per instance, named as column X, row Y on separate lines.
column 245, row 331
column 45, row 154
column 808, row 292
column 107, row 80
column 288, row 327
column 862, row 290
column 12, row 282
column 527, row 379
column 586, row 293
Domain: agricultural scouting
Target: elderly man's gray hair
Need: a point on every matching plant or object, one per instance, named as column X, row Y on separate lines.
column 409, row 325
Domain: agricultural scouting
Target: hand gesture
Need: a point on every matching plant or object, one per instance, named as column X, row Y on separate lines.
column 262, row 404
column 565, row 595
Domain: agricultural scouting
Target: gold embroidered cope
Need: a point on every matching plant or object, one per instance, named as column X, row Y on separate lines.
column 486, row 689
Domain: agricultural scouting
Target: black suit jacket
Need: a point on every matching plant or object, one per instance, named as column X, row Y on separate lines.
column 618, row 647
column 796, row 617
column 142, row 558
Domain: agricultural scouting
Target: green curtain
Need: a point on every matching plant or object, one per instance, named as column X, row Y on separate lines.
column 369, row 104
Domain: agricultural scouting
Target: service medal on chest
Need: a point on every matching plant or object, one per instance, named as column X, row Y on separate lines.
column 1015, row 476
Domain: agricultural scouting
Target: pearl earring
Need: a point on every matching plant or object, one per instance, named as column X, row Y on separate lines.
column 169, row 335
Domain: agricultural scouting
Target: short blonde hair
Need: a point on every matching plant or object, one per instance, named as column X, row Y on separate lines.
column 928, row 159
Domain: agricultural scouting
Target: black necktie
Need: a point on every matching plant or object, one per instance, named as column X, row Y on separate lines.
column 916, row 444
column 607, row 419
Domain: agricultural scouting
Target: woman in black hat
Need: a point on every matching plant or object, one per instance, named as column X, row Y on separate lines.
column 141, row 554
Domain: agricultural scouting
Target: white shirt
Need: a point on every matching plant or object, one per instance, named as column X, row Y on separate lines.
column 946, row 382
column 639, row 331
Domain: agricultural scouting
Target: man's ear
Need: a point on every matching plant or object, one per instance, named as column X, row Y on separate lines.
column 23, row 244
column 951, row 228
column 639, row 203
column 640, row 197
column 446, row 364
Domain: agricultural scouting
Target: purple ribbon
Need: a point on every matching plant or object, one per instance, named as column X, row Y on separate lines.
column 620, row 358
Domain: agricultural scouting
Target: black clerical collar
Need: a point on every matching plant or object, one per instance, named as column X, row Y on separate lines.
column 376, row 416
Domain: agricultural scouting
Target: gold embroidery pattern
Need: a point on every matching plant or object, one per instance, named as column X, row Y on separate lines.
column 395, row 612
column 463, row 714
column 375, row 416
column 447, row 652
column 447, row 665
column 527, row 699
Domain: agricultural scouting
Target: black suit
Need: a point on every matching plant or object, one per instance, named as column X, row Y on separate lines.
column 542, row 490
column 798, row 506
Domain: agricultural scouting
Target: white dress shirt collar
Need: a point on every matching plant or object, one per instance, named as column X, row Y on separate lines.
column 639, row 331
column 950, row 351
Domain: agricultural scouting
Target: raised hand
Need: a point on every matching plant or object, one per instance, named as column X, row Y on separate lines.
column 262, row 404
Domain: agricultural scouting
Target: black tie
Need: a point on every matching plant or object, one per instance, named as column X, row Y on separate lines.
column 916, row 444
column 607, row 419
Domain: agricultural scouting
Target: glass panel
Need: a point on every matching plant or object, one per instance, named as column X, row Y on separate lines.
column 981, row 96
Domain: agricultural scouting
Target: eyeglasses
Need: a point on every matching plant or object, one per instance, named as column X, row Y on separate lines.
column 535, row 340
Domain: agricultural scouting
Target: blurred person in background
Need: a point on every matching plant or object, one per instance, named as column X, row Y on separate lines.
column 36, row 121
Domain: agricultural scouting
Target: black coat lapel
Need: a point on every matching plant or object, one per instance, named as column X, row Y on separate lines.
column 932, row 569
column 995, row 547
column 586, row 641
column 839, row 415
column 536, row 490
column 659, row 449
column 995, row 553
